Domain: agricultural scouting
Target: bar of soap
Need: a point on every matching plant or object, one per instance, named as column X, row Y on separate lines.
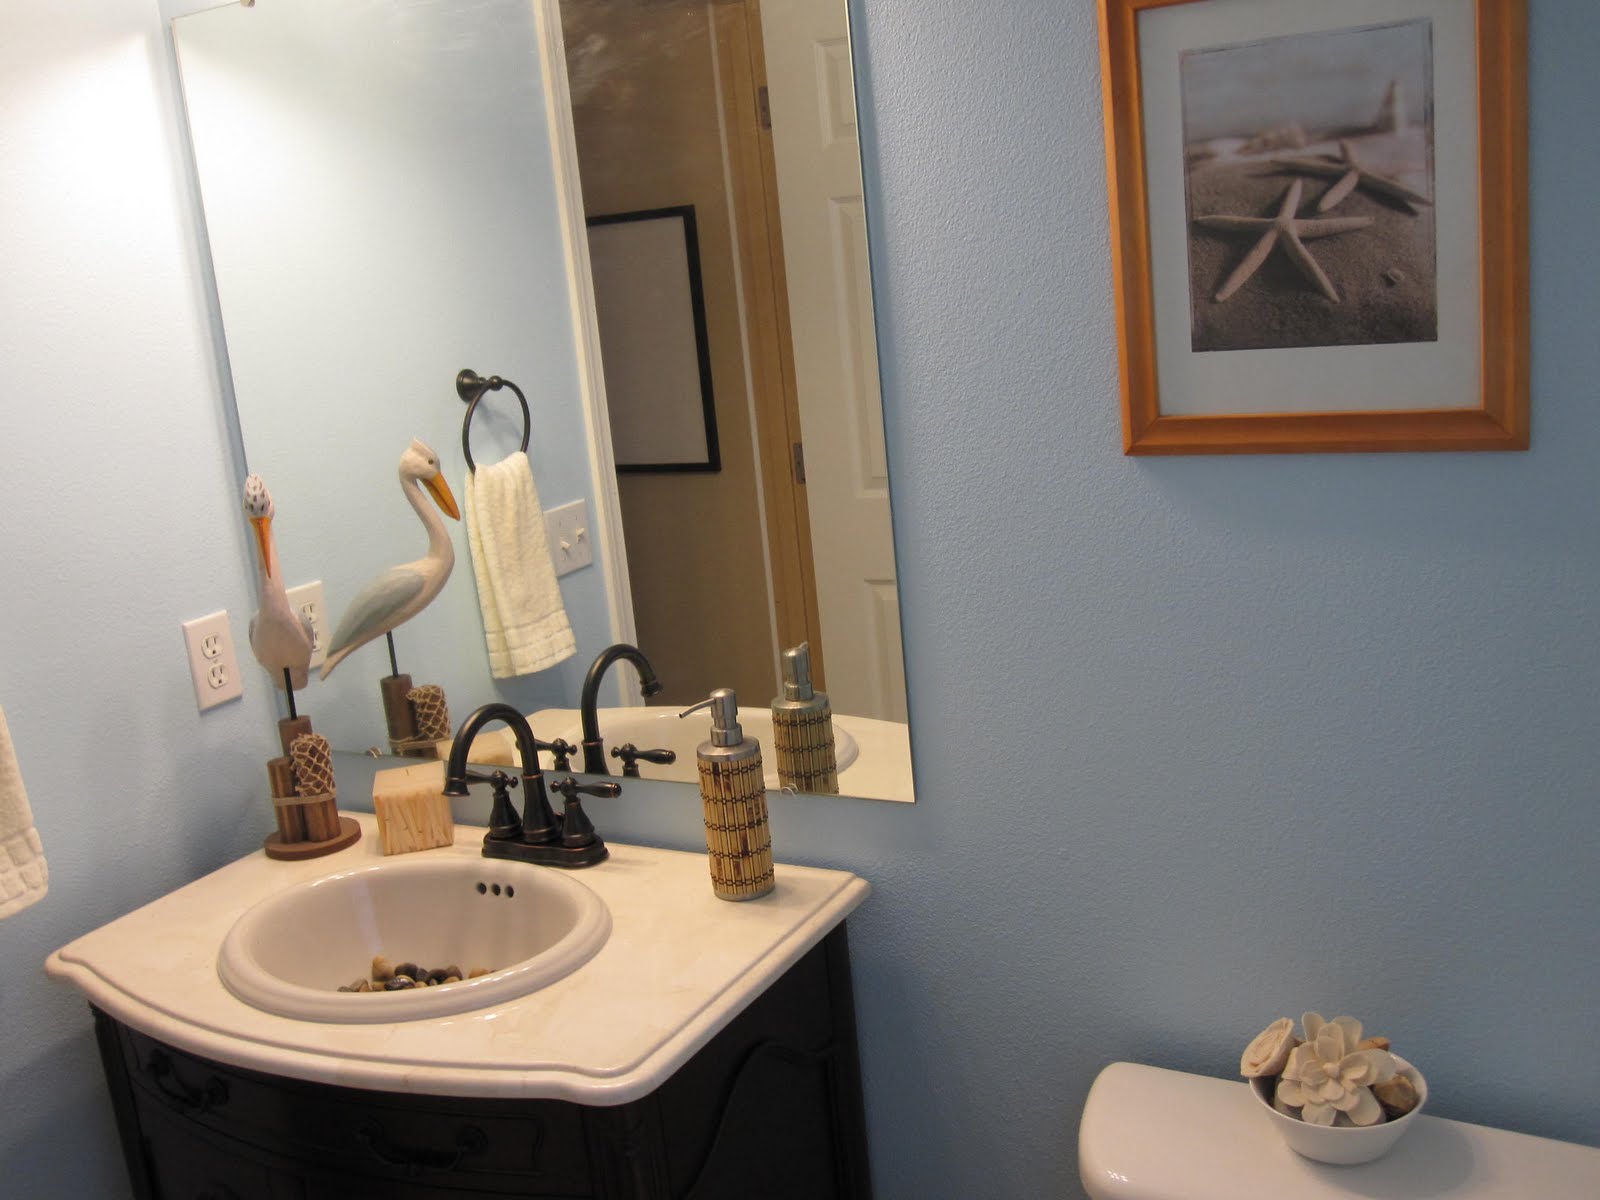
column 412, row 810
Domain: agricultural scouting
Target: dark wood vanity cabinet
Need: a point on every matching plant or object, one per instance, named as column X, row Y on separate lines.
column 769, row 1108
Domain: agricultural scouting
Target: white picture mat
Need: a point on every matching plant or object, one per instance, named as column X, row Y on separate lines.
column 648, row 341
column 1434, row 375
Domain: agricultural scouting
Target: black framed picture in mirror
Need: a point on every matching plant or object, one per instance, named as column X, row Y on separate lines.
column 650, row 303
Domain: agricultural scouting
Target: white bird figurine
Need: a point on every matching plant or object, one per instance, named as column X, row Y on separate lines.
column 281, row 638
column 400, row 593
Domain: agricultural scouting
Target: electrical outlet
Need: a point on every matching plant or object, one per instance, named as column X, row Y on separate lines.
column 567, row 528
column 308, row 601
column 212, row 663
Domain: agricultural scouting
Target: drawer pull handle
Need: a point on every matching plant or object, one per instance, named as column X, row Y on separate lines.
column 190, row 1099
column 421, row 1160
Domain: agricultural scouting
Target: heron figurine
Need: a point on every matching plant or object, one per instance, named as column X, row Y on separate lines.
column 280, row 638
column 401, row 592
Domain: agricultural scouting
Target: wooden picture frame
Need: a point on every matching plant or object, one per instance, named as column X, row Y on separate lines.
column 651, row 309
column 1157, row 64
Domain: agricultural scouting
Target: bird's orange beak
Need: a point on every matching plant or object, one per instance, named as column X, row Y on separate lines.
column 263, row 541
column 440, row 490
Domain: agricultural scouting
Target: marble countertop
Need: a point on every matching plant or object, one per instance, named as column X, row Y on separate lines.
column 679, row 965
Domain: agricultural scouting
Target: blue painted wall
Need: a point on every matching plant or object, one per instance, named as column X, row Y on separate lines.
column 1199, row 742
column 118, row 520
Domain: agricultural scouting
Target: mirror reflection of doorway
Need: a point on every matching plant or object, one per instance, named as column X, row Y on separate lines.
column 672, row 106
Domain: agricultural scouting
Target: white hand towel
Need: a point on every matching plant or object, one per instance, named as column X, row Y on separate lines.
column 24, row 877
column 525, row 624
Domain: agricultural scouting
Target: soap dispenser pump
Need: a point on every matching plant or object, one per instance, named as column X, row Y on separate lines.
column 802, row 729
column 733, row 792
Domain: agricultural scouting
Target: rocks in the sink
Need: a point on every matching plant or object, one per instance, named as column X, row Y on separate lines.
column 387, row 976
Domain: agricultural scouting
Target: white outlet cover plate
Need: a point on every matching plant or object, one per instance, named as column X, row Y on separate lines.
column 213, row 665
column 568, row 529
column 308, row 600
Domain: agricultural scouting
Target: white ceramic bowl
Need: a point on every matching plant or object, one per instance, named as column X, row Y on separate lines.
column 1342, row 1146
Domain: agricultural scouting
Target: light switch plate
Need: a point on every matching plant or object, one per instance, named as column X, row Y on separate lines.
column 308, row 601
column 567, row 528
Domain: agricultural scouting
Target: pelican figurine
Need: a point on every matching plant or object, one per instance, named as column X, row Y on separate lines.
column 400, row 593
column 280, row 638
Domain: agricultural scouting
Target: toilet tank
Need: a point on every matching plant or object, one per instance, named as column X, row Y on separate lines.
column 1153, row 1134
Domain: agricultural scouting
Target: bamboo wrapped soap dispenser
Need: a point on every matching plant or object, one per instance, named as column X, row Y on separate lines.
column 802, row 729
column 734, row 794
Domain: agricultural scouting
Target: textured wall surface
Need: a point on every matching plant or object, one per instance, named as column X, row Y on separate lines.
column 1198, row 742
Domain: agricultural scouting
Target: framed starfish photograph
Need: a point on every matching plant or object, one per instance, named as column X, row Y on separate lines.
column 1319, row 223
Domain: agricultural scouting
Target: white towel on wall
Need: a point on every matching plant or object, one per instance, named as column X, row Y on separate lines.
column 525, row 624
column 24, row 876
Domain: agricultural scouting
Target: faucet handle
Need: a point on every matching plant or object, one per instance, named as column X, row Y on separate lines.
column 631, row 754
column 572, row 789
column 503, row 822
column 560, row 750
column 576, row 828
column 499, row 779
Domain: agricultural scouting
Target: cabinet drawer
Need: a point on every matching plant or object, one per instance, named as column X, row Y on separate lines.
column 190, row 1165
column 495, row 1146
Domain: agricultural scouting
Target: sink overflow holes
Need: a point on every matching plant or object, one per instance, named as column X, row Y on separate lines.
column 484, row 888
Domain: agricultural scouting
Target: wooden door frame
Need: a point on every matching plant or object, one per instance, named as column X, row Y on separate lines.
column 775, row 400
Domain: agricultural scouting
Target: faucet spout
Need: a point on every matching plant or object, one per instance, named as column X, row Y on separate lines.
column 594, row 752
column 538, row 822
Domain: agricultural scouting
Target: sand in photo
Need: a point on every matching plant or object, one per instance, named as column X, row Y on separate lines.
column 1340, row 125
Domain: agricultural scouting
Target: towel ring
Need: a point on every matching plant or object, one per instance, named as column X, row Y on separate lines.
column 471, row 386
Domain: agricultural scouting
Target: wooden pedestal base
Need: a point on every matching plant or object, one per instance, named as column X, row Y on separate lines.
column 349, row 834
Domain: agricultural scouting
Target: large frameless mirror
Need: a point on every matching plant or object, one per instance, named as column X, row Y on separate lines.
column 648, row 215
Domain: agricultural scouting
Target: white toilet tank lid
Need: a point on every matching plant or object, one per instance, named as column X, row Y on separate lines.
column 1152, row 1134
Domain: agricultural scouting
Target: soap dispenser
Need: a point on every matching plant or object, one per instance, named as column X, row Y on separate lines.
column 734, row 794
column 802, row 729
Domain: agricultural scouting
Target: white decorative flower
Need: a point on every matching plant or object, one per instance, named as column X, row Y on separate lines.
column 1269, row 1051
column 1327, row 1076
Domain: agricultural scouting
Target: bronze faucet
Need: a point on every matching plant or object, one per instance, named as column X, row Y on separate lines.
column 540, row 836
column 594, row 751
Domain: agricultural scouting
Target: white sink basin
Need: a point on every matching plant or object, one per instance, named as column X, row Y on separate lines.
column 662, row 729
column 530, row 926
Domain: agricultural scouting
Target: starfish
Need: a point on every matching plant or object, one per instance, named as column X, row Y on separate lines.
column 1286, row 230
column 1347, row 169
